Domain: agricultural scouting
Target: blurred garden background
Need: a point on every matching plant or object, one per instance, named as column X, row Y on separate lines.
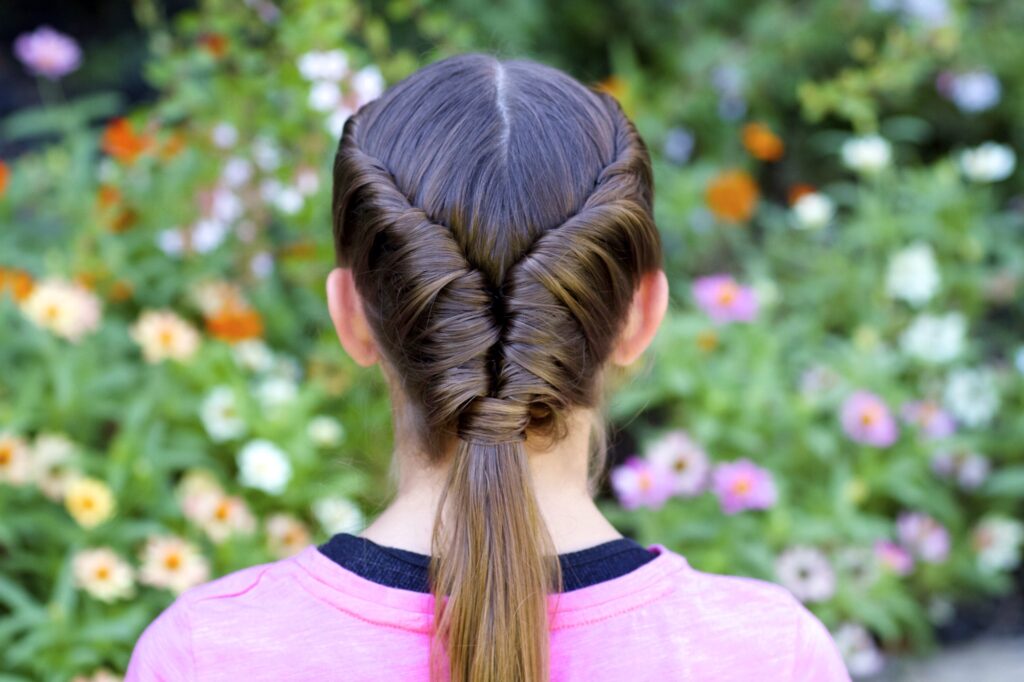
column 834, row 402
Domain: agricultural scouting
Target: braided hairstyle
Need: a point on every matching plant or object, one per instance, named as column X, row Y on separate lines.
column 497, row 218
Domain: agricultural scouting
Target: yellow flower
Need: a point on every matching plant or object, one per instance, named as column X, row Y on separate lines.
column 89, row 501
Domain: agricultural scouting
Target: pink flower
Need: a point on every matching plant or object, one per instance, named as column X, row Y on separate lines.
column 866, row 419
column 925, row 537
column 970, row 469
column 894, row 557
column 686, row 462
column 724, row 300
column 46, row 52
column 742, row 485
column 639, row 483
column 932, row 421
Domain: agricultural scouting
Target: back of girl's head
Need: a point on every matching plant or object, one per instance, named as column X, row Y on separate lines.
column 497, row 217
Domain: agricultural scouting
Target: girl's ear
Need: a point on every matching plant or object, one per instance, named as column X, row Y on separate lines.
column 346, row 310
column 650, row 301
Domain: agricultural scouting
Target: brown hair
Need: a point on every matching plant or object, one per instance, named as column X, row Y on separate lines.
column 497, row 216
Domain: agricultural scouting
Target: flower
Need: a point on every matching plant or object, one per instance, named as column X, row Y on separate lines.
column 338, row 514
column 5, row 175
column 65, row 308
column 858, row 650
column 15, row 468
column 969, row 468
column 331, row 65
column 99, row 675
column 51, row 454
column 925, row 537
column 253, row 355
column 16, row 281
column 325, row 431
column 932, row 422
column 234, row 321
column 207, row 234
column 990, row 162
column 813, row 211
column 171, row 241
column 266, row 153
column 195, row 485
column 367, row 83
column 276, row 392
column 913, row 274
column 48, row 53
column 122, row 142
column 263, row 465
column 894, row 557
column 224, row 135
column 171, row 562
column 685, row 461
column 742, row 485
column 858, row 565
column 163, row 335
column 335, row 122
column 286, row 535
column 971, row 396
column 219, row 414
column 866, row 419
column 867, row 154
column 732, row 196
column 762, row 143
column 724, row 300
column 89, row 501
column 221, row 515
column 971, row 91
column 935, row 339
column 104, row 574
column 678, row 146
column 637, row 482
column 324, row 96
column 997, row 541
column 807, row 573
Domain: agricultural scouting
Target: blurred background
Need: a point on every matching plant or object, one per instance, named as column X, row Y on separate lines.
column 834, row 402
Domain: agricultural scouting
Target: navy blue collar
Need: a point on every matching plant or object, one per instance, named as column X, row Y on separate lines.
column 409, row 570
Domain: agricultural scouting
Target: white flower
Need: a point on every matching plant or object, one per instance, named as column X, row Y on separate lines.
column 991, row 162
column 289, row 200
column 261, row 264
column 687, row 462
column 226, row 206
column 286, row 534
column 173, row 563
column 858, row 650
column 51, row 459
column 971, row 396
column 325, row 431
column 913, row 274
column 265, row 466
column 307, row 181
column 368, row 83
column 867, row 154
column 162, row 334
column 338, row 515
column 275, row 392
column 171, row 241
column 219, row 414
column 974, row 91
column 807, row 573
column 208, row 234
column 236, row 171
column 221, row 516
column 254, row 355
column 103, row 573
column 65, row 308
column 335, row 123
column 224, row 135
column 997, row 541
column 15, row 465
column 935, row 338
column 324, row 96
column 266, row 153
column 331, row 65
column 813, row 211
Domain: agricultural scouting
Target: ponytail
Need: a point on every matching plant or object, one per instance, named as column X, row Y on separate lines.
column 495, row 561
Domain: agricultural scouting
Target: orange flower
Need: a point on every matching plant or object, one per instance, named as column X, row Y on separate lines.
column 762, row 143
column 122, row 142
column 5, row 174
column 214, row 43
column 107, row 196
column 234, row 323
column 19, row 282
column 732, row 196
column 798, row 190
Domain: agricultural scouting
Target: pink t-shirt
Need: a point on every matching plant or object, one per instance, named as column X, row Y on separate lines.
column 307, row 618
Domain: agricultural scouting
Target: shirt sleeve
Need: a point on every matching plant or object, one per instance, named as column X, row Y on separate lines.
column 163, row 652
column 818, row 658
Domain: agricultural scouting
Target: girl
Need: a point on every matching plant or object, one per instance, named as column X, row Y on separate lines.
column 496, row 252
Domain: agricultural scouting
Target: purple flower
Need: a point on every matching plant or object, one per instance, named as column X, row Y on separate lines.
column 925, row 537
column 724, row 300
column 894, row 557
column 866, row 419
column 742, row 485
column 639, row 483
column 969, row 468
column 49, row 53
column 685, row 461
column 932, row 421
column 971, row 91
